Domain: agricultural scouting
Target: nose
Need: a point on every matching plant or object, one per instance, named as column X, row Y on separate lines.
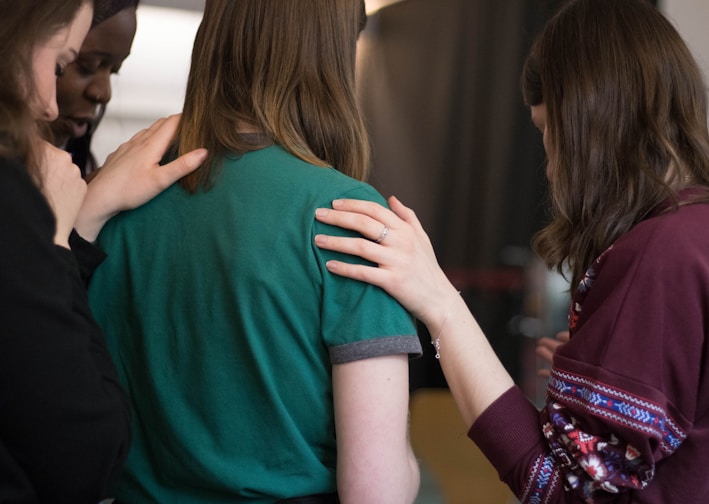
column 99, row 90
column 50, row 109
column 51, row 112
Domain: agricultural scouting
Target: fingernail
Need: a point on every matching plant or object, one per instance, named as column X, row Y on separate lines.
column 336, row 203
column 321, row 212
column 331, row 265
column 320, row 239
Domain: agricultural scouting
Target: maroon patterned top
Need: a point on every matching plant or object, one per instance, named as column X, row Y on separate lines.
column 627, row 410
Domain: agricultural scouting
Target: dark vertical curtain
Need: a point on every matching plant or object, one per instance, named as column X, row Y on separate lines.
column 439, row 83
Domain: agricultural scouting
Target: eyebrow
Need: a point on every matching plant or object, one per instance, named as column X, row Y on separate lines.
column 107, row 55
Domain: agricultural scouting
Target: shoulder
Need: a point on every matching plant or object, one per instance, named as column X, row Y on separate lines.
column 673, row 236
column 669, row 247
column 660, row 260
column 677, row 223
column 275, row 168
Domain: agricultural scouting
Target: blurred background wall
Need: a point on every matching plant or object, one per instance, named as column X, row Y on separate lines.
column 151, row 82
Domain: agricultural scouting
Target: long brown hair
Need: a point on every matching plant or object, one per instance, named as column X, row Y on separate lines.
column 286, row 69
column 626, row 123
column 25, row 24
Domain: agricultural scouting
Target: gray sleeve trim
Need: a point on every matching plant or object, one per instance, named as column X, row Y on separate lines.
column 376, row 347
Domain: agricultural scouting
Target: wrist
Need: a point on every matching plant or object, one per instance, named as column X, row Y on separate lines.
column 448, row 307
column 62, row 242
column 101, row 203
column 91, row 220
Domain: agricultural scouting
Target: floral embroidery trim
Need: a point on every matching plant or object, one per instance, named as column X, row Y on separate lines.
column 543, row 481
column 593, row 465
column 619, row 406
column 583, row 288
column 587, row 280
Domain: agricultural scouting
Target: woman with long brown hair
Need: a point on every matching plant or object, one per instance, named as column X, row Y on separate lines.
column 256, row 376
column 622, row 109
column 64, row 419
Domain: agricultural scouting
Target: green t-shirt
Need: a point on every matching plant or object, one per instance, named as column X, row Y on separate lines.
column 224, row 325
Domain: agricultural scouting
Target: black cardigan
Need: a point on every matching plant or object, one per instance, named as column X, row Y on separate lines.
column 64, row 419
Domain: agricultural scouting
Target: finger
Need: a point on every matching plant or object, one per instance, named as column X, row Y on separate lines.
column 157, row 124
column 548, row 342
column 548, row 349
column 544, row 353
column 153, row 141
column 404, row 213
column 546, row 346
column 161, row 131
column 544, row 342
column 382, row 235
column 368, row 274
column 365, row 249
column 183, row 165
column 363, row 224
column 370, row 209
column 563, row 336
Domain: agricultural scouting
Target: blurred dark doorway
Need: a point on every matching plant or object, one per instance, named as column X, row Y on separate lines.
column 439, row 82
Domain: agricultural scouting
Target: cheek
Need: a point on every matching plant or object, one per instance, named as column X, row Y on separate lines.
column 550, row 171
column 550, row 168
column 46, row 102
column 45, row 84
column 69, row 89
column 546, row 142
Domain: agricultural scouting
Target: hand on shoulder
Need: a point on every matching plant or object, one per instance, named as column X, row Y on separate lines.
column 395, row 240
column 132, row 175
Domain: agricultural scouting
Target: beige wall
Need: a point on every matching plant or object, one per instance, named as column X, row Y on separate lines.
column 691, row 17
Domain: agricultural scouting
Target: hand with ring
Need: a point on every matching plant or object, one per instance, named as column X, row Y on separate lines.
column 407, row 266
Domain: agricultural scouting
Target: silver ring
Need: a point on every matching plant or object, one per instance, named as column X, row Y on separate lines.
column 382, row 235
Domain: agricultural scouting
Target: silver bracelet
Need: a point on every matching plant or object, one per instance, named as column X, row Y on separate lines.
column 437, row 345
column 437, row 341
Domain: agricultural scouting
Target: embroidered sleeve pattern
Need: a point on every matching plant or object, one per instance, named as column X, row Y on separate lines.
column 543, row 482
column 593, row 463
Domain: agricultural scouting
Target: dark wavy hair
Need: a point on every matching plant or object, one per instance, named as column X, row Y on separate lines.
column 285, row 67
column 25, row 24
column 626, row 124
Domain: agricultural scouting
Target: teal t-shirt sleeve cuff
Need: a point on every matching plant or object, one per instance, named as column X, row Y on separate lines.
column 376, row 347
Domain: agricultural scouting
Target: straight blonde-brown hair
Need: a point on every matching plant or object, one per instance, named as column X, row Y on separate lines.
column 284, row 68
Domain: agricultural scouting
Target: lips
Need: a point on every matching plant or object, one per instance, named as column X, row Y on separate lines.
column 77, row 126
column 73, row 126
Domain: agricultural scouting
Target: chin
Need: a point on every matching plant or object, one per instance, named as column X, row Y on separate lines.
column 61, row 133
column 60, row 138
